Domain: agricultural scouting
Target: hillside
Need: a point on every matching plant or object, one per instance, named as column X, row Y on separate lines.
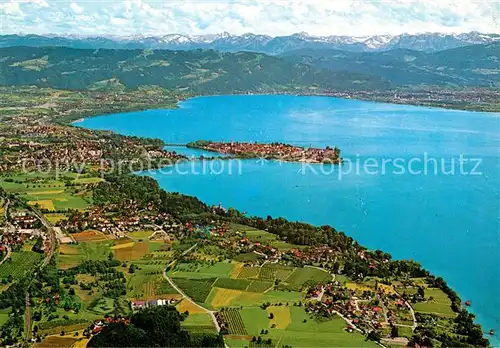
column 198, row 71
column 476, row 65
column 426, row 42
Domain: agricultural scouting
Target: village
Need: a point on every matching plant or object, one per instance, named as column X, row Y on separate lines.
column 278, row 151
column 30, row 146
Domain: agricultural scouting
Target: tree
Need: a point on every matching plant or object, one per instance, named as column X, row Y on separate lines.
column 394, row 331
column 421, row 291
column 374, row 336
column 153, row 327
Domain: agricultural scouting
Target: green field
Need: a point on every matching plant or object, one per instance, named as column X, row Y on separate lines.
column 47, row 191
column 296, row 332
column 147, row 282
column 254, row 319
column 302, row 275
column 197, row 289
column 256, row 235
column 202, row 270
column 249, row 272
column 89, row 180
column 234, row 321
column 259, row 286
column 247, row 257
column 234, row 298
column 440, row 304
column 70, row 255
column 4, row 316
column 228, row 283
column 199, row 322
column 19, row 263
column 274, row 271
column 144, row 235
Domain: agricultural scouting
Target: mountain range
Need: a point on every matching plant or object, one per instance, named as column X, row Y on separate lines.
column 426, row 42
column 194, row 71
column 211, row 72
column 475, row 65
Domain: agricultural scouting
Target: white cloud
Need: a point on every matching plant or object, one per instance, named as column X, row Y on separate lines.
column 118, row 21
column 11, row 8
column 77, row 9
column 317, row 17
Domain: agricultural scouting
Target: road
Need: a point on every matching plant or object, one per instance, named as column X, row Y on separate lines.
column 9, row 226
column 7, row 255
column 187, row 298
column 6, row 208
column 53, row 242
column 27, row 318
column 189, row 250
column 51, row 235
column 414, row 326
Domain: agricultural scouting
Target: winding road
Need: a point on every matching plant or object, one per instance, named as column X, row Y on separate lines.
column 53, row 242
column 186, row 297
column 51, row 235
column 9, row 226
column 5, row 258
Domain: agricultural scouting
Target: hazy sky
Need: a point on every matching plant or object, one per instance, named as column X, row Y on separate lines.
column 273, row 17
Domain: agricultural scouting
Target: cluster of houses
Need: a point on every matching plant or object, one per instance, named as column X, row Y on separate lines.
column 321, row 254
column 472, row 96
column 99, row 324
column 364, row 309
column 283, row 152
column 137, row 305
column 16, row 237
column 24, row 219
column 214, row 230
column 119, row 219
column 35, row 146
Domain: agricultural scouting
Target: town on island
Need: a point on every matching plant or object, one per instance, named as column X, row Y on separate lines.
column 277, row 151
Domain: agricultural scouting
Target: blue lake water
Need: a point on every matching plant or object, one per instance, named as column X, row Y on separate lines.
column 447, row 221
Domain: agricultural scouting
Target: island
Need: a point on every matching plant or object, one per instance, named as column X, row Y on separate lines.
column 277, row 151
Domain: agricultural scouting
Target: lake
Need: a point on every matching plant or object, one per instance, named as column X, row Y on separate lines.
column 423, row 182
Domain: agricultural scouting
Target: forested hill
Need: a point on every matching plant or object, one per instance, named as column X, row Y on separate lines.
column 476, row 65
column 197, row 71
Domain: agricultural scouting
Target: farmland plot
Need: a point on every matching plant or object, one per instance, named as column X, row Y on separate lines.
column 234, row 321
column 197, row 289
column 19, row 263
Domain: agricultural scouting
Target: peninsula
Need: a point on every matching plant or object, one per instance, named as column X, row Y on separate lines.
column 277, row 151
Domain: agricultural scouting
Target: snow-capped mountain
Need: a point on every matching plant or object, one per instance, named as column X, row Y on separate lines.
column 377, row 41
column 427, row 42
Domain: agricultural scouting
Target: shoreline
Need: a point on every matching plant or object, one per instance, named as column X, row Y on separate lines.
column 346, row 96
column 323, row 95
column 462, row 307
